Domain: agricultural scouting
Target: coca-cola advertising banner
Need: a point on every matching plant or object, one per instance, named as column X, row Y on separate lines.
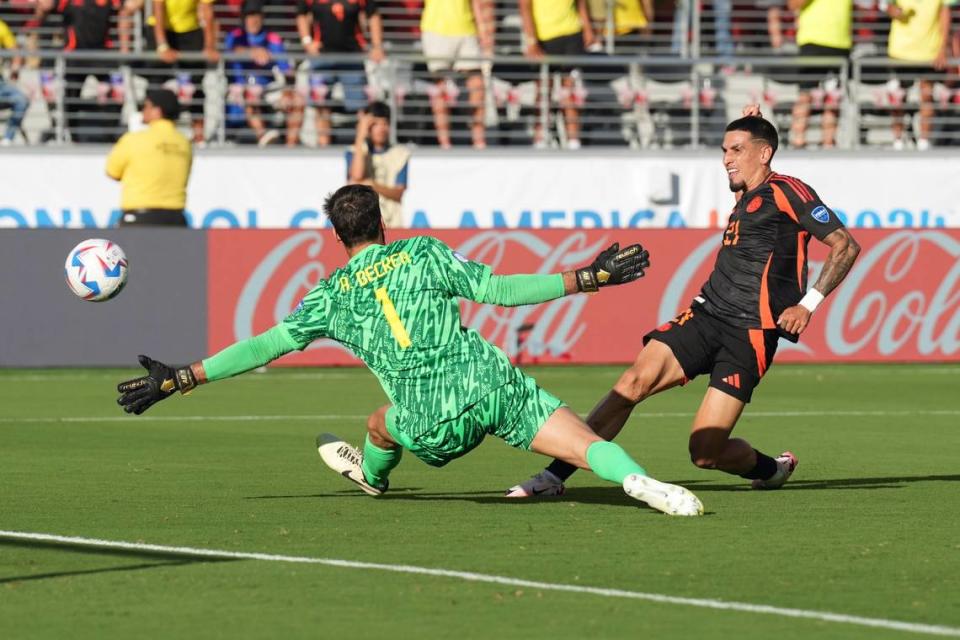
column 900, row 302
column 612, row 189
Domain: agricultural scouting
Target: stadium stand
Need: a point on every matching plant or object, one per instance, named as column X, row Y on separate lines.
column 670, row 84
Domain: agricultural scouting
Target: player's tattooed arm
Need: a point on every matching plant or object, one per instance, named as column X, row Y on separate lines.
column 843, row 252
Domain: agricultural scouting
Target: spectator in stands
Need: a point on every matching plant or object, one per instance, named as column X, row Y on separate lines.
column 337, row 27
column 186, row 26
column 11, row 97
column 632, row 22
column 374, row 162
column 920, row 33
column 455, row 34
column 774, row 21
column 153, row 165
column 86, row 28
column 266, row 80
column 823, row 30
column 558, row 28
column 721, row 11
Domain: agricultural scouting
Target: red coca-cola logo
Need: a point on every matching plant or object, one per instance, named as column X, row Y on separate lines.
column 900, row 301
column 902, row 296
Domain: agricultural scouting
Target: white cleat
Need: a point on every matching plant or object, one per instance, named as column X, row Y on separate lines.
column 542, row 485
column 345, row 459
column 786, row 463
column 671, row 499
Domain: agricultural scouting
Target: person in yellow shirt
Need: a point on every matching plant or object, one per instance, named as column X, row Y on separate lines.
column 558, row 28
column 632, row 22
column 153, row 165
column 186, row 26
column 10, row 94
column 824, row 29
column 920, row 33
column 454, row 35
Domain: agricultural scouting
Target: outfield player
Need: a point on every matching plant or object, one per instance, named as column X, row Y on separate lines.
column 395, row 306
column 756, row 294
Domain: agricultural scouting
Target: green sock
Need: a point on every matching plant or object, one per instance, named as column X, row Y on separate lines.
column 609, row 461
column 377, row 462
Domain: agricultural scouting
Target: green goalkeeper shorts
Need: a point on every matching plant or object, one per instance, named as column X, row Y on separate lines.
column 514, row 412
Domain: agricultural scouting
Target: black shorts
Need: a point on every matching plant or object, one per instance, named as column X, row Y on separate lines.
column 571, row 45
column 907, row 75
column 811, row 77
column 152, row 218
column 735, row 358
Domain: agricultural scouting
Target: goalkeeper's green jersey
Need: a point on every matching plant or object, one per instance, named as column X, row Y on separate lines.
column 395, row 306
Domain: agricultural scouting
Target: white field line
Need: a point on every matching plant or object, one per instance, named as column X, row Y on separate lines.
column 705, row 603
column 334, row 416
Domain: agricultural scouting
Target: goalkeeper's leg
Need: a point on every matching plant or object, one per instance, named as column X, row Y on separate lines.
column 381, row 453
column 655, row 369
column 564, row 436
column 370, row 469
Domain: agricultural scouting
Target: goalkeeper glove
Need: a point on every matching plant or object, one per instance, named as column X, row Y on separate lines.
column 613, row 266
column 139, row 394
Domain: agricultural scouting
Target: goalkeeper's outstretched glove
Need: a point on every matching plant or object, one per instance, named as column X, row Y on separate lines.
column 139, row 394
column 613, row 266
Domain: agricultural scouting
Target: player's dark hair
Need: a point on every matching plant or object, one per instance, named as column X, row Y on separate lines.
column 759, row 129
column 354, row 212
column 379, row 110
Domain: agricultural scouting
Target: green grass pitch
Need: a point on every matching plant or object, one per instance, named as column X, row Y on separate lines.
column 868, row 526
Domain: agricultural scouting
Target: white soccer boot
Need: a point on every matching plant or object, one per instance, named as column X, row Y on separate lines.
column 345, row 459
column 671, row 499
column 786, row 463
column 541, row 485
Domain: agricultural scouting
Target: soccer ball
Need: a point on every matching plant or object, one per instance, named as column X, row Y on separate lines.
column 96, row 270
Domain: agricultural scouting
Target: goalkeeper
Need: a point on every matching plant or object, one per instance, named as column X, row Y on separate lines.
column 395, row 306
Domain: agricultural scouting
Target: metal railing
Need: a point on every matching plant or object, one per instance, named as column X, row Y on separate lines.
column 596, row 100
column 679, row 27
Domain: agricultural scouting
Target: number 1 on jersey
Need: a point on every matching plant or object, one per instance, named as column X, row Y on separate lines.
column 393, row 319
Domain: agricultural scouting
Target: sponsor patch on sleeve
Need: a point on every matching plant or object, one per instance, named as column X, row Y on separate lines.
column 821, row 214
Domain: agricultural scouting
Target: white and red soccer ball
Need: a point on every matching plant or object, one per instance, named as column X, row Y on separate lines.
column 96, row 270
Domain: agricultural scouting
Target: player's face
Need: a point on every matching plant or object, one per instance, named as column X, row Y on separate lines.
column 742, row 159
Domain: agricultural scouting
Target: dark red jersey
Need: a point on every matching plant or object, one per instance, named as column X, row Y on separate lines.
column 761, row 268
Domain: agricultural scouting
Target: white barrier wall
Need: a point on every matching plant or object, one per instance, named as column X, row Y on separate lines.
column 493, row 189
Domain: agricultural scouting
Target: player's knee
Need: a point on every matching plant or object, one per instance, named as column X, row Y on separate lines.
column 634, row 384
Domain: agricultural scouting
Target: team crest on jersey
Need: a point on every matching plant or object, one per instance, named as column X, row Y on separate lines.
column 821, row 214
column 754, row 204
column 459, row 256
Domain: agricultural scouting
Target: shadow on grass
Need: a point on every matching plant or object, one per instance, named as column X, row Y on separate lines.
column 891, row 482
column 164, row 559
column 607, row 495
column 610, row 495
